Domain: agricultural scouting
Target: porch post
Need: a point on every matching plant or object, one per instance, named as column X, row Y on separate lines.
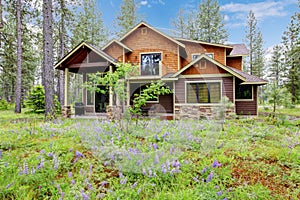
column 66, row 111
column 110, row 89
column 66, row 86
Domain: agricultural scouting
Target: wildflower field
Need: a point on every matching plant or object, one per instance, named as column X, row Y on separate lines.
column 151, row 159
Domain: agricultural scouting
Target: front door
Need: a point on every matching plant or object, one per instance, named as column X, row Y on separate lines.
column 101, row 99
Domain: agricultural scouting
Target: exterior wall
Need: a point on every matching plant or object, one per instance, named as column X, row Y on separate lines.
column 164, row 105
column 235, row 62
column 145, row 40
column 247, row 107
column 219, row 53
column 227, row 87
column 209, row 69
column 116, row 51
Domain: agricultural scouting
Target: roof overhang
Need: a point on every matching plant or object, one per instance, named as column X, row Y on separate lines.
column 153, row 29
column 119, row 43
column 214, row 62
column 107, row 60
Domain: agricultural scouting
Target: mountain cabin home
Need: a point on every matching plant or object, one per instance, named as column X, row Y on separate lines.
column 199, row 73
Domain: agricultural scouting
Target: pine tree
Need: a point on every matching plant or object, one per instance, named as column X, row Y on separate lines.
column 210, row 24
column 19, row 57
column 48, row 58
column 254, row 41
column 89, row 26
column 179, row 24
column 291, row 42
column 128, row 17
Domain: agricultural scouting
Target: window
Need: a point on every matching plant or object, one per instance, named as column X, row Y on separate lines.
column 243, row 91
column 195, row 56
column 137, row 88
column 150, row 64
column 201, row 92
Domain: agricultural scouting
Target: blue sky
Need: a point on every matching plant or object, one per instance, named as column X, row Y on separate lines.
column 273, row 15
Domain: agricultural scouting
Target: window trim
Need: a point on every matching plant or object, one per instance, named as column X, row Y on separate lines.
column 205, row 81
column 199, row 54
column 161, row 60
column 252, row 96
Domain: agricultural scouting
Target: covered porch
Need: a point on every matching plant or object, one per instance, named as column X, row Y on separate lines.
column 83, row 60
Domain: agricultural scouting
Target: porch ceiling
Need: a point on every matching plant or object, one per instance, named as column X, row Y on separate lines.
column 85, row 59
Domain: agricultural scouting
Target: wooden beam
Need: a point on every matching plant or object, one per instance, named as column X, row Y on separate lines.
column 95, row 64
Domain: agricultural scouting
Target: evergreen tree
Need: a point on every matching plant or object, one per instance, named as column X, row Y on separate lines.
column 254, row 41
column 89, row 26
column 128, row 17
column 291, row 42
column 179, row 24
column 48, row 58
column 210, row 24
column 19, row 57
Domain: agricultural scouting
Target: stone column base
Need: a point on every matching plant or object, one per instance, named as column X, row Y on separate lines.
column 66, row 111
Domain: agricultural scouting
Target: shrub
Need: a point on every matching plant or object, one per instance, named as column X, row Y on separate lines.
column 36, row 100
column 3, row 104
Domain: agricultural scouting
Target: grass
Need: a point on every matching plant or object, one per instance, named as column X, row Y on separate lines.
column 91, row 159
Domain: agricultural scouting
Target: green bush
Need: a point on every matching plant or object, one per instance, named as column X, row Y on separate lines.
column 3, row 104
column 36, row 100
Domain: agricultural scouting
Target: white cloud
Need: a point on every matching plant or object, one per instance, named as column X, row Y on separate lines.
column 143, row 3
column 261, row 9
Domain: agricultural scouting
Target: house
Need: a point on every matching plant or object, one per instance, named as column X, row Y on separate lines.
column 199, row 73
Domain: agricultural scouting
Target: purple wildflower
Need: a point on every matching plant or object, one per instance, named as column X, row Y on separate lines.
column 216, row 164
column 55, row 162
column 134, row 185
column 42, row 151
column 50, row 154
column 69, row 174
column 32, row 170
column 163, row 169
column 103, row 183
column 144, row 172
column 73, row 182
column 156, row 159
column 25, row 171
column 9, row 185
column 0, row 153
column 41, row 164
column 123, row 181
column 210, row 176
column 221, row 145
column 196, row 179
column 155, row 146
column 219, row 193
column 84, row 196
column 204, row 170
column 78, row 154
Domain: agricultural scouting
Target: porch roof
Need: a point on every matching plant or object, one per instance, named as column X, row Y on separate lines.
column 77, row 62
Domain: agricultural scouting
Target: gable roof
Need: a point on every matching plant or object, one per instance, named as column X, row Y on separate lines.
column 238, row 50
column 250, row 79
column 119, row 43
column 205, row 43
column 142, row 23
column 91, row 47
column 228, row 69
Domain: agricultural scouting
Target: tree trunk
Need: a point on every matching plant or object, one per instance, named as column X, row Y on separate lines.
column 19, row 58
column 48, row 74
column 61, row 75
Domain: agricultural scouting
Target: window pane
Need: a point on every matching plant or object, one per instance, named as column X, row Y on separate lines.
column 203, row 93
column 150, row 64
column 191, row 93
column 243, row 91
column 215, row 92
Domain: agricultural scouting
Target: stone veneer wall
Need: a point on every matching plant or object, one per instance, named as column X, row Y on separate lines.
column 199, row 112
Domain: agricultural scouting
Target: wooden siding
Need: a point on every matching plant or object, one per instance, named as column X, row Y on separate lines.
column 235, row 62
column 247, row 107
column 145, row 40
column 115, row 50
column 204, row 68
column 165, row 104
column 219, row 53
column 227, row 87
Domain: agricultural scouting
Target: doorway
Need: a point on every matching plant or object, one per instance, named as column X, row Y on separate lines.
column 101, row 99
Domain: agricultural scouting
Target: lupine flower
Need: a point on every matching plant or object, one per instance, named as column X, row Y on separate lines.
column 123, row 181
column 73, row 182
column 103, row 183
column 84, row 196
column 55, row 162
column 79, row 154
column 50, row 154
column 196, row 179
column 9, row 185
column 0, row 153
column 210, row 176
column 41, row 164
column 219, row 193
column 216, row 164
column 204, row 170
column 25, row 171
column 144, row 172
column 69, row 174
column 155, row 146
column 32, row 170
column 164, row 169
column 134, row 185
